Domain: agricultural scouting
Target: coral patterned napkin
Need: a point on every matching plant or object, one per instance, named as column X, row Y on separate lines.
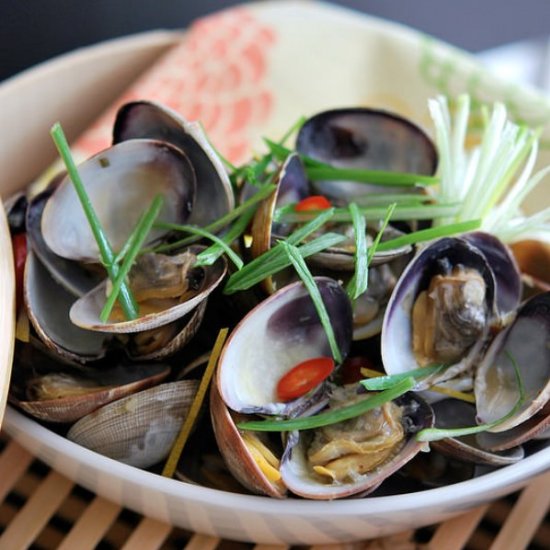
column 253, row 70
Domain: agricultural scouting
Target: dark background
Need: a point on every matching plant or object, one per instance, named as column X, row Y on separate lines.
column 32, row 31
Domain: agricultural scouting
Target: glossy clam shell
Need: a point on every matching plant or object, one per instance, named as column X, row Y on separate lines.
column 453, row 413
column 365, row 138
column 122, row 179
column 85, row 312
column 70, row 274
column 275, row 336
column 396, row 342
column 138, row 430
column 300, row 480
column 147, row 119
column 122, row 381
column 536, row 427
column 504, row 267
column 525, row 342
column 234, row 451
column 48, row 305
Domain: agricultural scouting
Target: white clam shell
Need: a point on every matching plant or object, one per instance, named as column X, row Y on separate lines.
column 140, row 429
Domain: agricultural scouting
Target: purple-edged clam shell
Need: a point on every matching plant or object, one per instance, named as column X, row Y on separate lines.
column 275, row 336
column 454, row 413
column 147, row 119
column 365, row 138
column 505, row 269
column 525, row 345
column 121, row 182
column 437, row 258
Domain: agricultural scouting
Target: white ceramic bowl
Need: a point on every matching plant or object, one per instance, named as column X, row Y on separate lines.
column 74, row 89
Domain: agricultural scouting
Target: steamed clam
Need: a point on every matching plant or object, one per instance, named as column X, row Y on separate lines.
column 441, row 310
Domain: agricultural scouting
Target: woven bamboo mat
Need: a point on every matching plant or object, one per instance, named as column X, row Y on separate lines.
column 41, row 509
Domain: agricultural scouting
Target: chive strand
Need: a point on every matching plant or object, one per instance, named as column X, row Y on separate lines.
column 376, row 244
column 333, row 416
column 213, row 252
column 255, row 272
column 430, row 234
column 359, row 282
column 126, row 298
column 309, row 282
column 141, row 233
column 215, row 226
column 317, row 170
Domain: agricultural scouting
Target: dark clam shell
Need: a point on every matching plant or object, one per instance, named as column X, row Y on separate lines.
column 365, row 138
column 146, row 119
column 505, row 269
column 453, row 413
column 437, row 258
column 525, row 345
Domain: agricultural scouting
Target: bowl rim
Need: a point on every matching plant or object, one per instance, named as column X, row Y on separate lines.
column 504, row 479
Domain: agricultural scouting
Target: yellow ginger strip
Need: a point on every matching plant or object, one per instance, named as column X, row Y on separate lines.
column 264, row 458
column 22, row 327
column 468, row 397
column 183, row 436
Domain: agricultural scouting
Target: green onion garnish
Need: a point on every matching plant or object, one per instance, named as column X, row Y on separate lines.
column 213, row 252
column 359, row 282
column 402, row 213
column 215, row 226
column 260, row 265
column 223, row 246
column 126, row 299
column 376, row 244
column 317, row 170
column 136, row 240
column 385, row 382
column 429, row 234
column 275, row 260
column 331, row 417
column 301, row 268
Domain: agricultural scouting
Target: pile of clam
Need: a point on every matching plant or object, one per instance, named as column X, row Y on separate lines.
column 122, row 388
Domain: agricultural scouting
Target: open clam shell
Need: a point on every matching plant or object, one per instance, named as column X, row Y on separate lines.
column 276, row 335
column 453, row 413
column 74, row 395
column 147, row 119
column 139, row 429
column 70, row 274
column 236, row 454
column 455, row 311
column 300, row 477
column 48, row 305
column 525, row 345
column 365, row 138
column 122, row 179
column 504, row 267
column 85, row 312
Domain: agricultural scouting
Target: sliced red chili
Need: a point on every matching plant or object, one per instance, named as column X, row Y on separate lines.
column 19, row 245
column 314, row 202
column 304, row 377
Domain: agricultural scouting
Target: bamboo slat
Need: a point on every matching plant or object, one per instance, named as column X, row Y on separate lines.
column 39, row 508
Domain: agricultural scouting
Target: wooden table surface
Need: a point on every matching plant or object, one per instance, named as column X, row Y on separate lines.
column 41, row 509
